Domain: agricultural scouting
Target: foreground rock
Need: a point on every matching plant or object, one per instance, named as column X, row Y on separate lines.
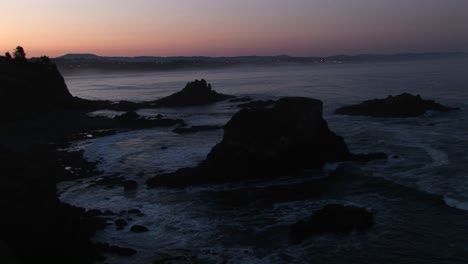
column 194, row 93
column 266, row 142
column 333, row 218
column 403, row 105
column 36, row 226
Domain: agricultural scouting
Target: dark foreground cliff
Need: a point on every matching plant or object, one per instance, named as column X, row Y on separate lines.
column 37, row 115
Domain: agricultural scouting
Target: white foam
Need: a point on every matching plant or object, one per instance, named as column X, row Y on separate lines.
column 452, row 202
column 439, row 157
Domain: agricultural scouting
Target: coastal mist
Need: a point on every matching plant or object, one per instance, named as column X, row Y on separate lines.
column 419, row 194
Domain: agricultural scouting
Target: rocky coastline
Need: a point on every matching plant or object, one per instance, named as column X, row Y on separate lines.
column 264, row 139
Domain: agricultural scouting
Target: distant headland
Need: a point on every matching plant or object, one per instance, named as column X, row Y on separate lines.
column 86, row 61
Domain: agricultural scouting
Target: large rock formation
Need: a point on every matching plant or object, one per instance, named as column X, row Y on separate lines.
column 194, row 93
column 266, row 142
column 403, row 105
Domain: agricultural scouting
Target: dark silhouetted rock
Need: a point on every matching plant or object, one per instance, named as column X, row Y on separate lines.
column 130, row 116
column 333, row 218
column 403, row 105
column 266, row 142
column 194, row 129
column 194, row 93
column 133, row 120
column 31, row 87
column 130, row 185
column 138, row 229
column 120, row 223
column 36, row 226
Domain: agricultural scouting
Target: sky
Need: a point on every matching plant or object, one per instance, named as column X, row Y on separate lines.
column 232, row 27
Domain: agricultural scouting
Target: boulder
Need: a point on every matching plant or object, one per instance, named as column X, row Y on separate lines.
column 194, row 93
column 403, row 105
column 120, row 223
column 267, row 142
column 138, row 229
column 333, row 218
column 130, row 185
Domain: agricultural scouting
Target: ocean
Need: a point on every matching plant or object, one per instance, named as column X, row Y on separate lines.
column 419, row 194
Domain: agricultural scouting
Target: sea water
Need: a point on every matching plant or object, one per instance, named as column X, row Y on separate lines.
column 427, row 164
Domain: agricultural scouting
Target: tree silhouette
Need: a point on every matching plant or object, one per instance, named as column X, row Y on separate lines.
column 8, row 55
column 45, row 60
column 19, row 54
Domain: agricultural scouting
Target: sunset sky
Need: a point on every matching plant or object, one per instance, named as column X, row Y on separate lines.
column 230, row 28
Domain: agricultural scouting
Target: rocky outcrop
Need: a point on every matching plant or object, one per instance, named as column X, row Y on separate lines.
column 133, row 120
column 266, row 142
column 333, row 218
column 194, row 93
column 403, row 105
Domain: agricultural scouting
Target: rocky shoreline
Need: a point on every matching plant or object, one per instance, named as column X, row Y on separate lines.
column 265, row 139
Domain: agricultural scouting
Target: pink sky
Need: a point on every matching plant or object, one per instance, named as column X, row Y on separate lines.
column 231, row 28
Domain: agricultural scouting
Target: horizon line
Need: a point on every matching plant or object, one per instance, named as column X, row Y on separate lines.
column 278, row 55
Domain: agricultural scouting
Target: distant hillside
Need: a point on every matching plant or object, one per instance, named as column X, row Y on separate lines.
column 78, row 56
column 78, row 62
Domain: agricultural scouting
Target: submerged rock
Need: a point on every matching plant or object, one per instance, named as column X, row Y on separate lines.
column 138, row 229
column 266, row 142
column 120, row 223
column 194, row 93
column 403, row 105
column 333, row 218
